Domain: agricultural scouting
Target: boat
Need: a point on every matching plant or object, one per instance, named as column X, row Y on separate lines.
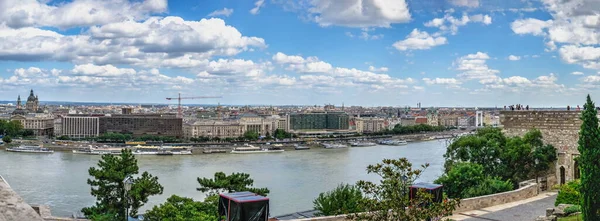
column 161, row 150
column 334, row 146
column 211, row 151
column 254, row 149
column 393, row 142
column 98, row 151
column 298, row 147
column 362, row 144
column 30, row 149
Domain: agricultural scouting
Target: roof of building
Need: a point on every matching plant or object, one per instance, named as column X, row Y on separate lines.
column 298, row 215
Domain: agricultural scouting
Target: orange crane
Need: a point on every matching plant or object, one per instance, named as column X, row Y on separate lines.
column 179, row 98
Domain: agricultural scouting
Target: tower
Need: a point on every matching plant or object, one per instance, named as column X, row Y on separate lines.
column 19, row 102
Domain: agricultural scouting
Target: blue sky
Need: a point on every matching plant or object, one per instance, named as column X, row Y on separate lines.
column 359, row 52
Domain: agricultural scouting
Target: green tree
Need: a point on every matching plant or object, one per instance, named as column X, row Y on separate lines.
column 6, row 139
column 63, row 137
column 107, row 186
column 461, row 177
column 251, row 135
column 27, row 133
column 488, row 186
column 344, row 199
column 389, row 199
column 589, row 149
column 13, row 128
column 569, row 193
column 185, row 209
column 236, row 182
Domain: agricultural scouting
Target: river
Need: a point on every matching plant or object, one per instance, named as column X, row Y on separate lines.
column 295, row 178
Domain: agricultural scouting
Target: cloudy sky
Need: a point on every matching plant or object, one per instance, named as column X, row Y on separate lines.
column 359, row 52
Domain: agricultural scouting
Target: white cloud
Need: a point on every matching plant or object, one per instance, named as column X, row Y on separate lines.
column 442, row 81
column 587, row 56
column 473, row 66
column 419, row 40
column 257, row 5
column 225, row 12
column 151, row 43
column 101, row 71
column 530, row 26
column 381, row 69
column 450, row 24
column 465, row 3
column 514, row 57
column 550, row 46
column 359, row 13
column 77, row 13
column 591, row 79
column 577, row 73
column 418, row 88
column 282, row 58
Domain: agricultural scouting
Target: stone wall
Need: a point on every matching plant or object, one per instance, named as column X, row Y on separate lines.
column 559, row 128
column 480, row 202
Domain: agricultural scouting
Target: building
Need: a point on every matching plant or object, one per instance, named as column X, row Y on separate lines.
column 433, row 117
column 369, row 125
column 407, row 121
column 31, row 106
column 142, row 124
column 213, row 128
column 319, row 121
column 448, row 121
column 42, row 125
column 466, row 121
column 77, row 126
column 420, row 120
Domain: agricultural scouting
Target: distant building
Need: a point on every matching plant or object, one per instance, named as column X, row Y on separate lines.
column 433, row 117
column 127, row 110
column 420, row 120
column 213, row 128
column 369, row 125
column 77, row 126
column 31, row 106
column 407, row 121
column 320, row 121
column 41, row 125
column 142, row 124
column 466, row 121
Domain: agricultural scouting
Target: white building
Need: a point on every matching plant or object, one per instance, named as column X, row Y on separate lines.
column 77, row 126
column 42, row 125
column 213, row 128
column 369, row 125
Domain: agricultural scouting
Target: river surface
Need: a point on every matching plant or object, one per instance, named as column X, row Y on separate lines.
column 295, row 178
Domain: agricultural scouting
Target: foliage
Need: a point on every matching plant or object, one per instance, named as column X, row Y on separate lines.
column 251, row 135
column 281, row 134
column 178, row 208
column 507, row 158
column 487, row 187
column 6, row 139
column 399, row 129
column 461, row 177
column 236, row 182
column 571, row 218
column 389, row 199
column 589, row 149
column 569, row 193
column 572, row 209
column 27, row 133
column 63, row 137
column 344, row 199
column 12, row 128
column 107, row 186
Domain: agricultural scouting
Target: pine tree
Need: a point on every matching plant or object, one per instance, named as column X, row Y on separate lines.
column 589, row 164
column 107, row 187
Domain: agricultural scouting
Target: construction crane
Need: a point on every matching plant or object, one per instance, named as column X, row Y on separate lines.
column 179, row 98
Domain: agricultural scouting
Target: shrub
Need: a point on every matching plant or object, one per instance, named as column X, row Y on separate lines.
column 343, row 199
column 569, row 194
column 487, row 187
column 572, row 209
column 461, row 177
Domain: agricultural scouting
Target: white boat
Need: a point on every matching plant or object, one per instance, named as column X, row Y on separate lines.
column 98, row 151
column 30, row 149
column 254, row 149
column 161, row 151
column 334, row 146
column 298, row 147
column 393, row 142
column 363, row 144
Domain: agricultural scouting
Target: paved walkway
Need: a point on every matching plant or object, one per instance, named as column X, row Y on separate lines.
column 524, row 210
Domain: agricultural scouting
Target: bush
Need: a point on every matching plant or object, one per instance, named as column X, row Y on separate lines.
column 572, row 209
column 343, row 199
column 460, row 178
column 569, row 194
column 487, row 187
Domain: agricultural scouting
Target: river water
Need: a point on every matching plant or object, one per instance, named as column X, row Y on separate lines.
column 295, row 178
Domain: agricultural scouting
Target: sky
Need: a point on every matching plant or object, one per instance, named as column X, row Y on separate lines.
column 311, row 52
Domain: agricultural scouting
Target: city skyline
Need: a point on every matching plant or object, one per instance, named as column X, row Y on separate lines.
column 448, row 53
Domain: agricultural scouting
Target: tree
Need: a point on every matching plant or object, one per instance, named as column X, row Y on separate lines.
column 589, row 149
column 6, row 139
column 461, row 177
column 183, row 209
column 107, row 186
column 27, row 133
column 63, row 137
column 389, row 199
column 236, row 182
column 251, row 135
column 344, row 199
column 13, row 128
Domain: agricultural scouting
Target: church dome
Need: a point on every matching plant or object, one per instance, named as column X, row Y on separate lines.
column 31, row 96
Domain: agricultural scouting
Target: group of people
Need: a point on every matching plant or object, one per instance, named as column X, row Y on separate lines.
column 569, row 108
column 517, row 107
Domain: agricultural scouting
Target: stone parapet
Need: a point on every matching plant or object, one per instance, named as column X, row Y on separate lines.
column 527, row 191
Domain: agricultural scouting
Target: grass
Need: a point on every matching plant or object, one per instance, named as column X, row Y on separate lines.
column 571, row 218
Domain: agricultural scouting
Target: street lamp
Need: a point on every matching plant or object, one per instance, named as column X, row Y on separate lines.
column 127, row 182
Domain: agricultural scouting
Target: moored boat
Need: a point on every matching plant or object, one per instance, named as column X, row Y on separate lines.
column 98, row 151
column 393, row 142
column 362, row 144
column 30, row 149
column 161, row 150
column 334, row 146
column 254, row 149
column 298, row 147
